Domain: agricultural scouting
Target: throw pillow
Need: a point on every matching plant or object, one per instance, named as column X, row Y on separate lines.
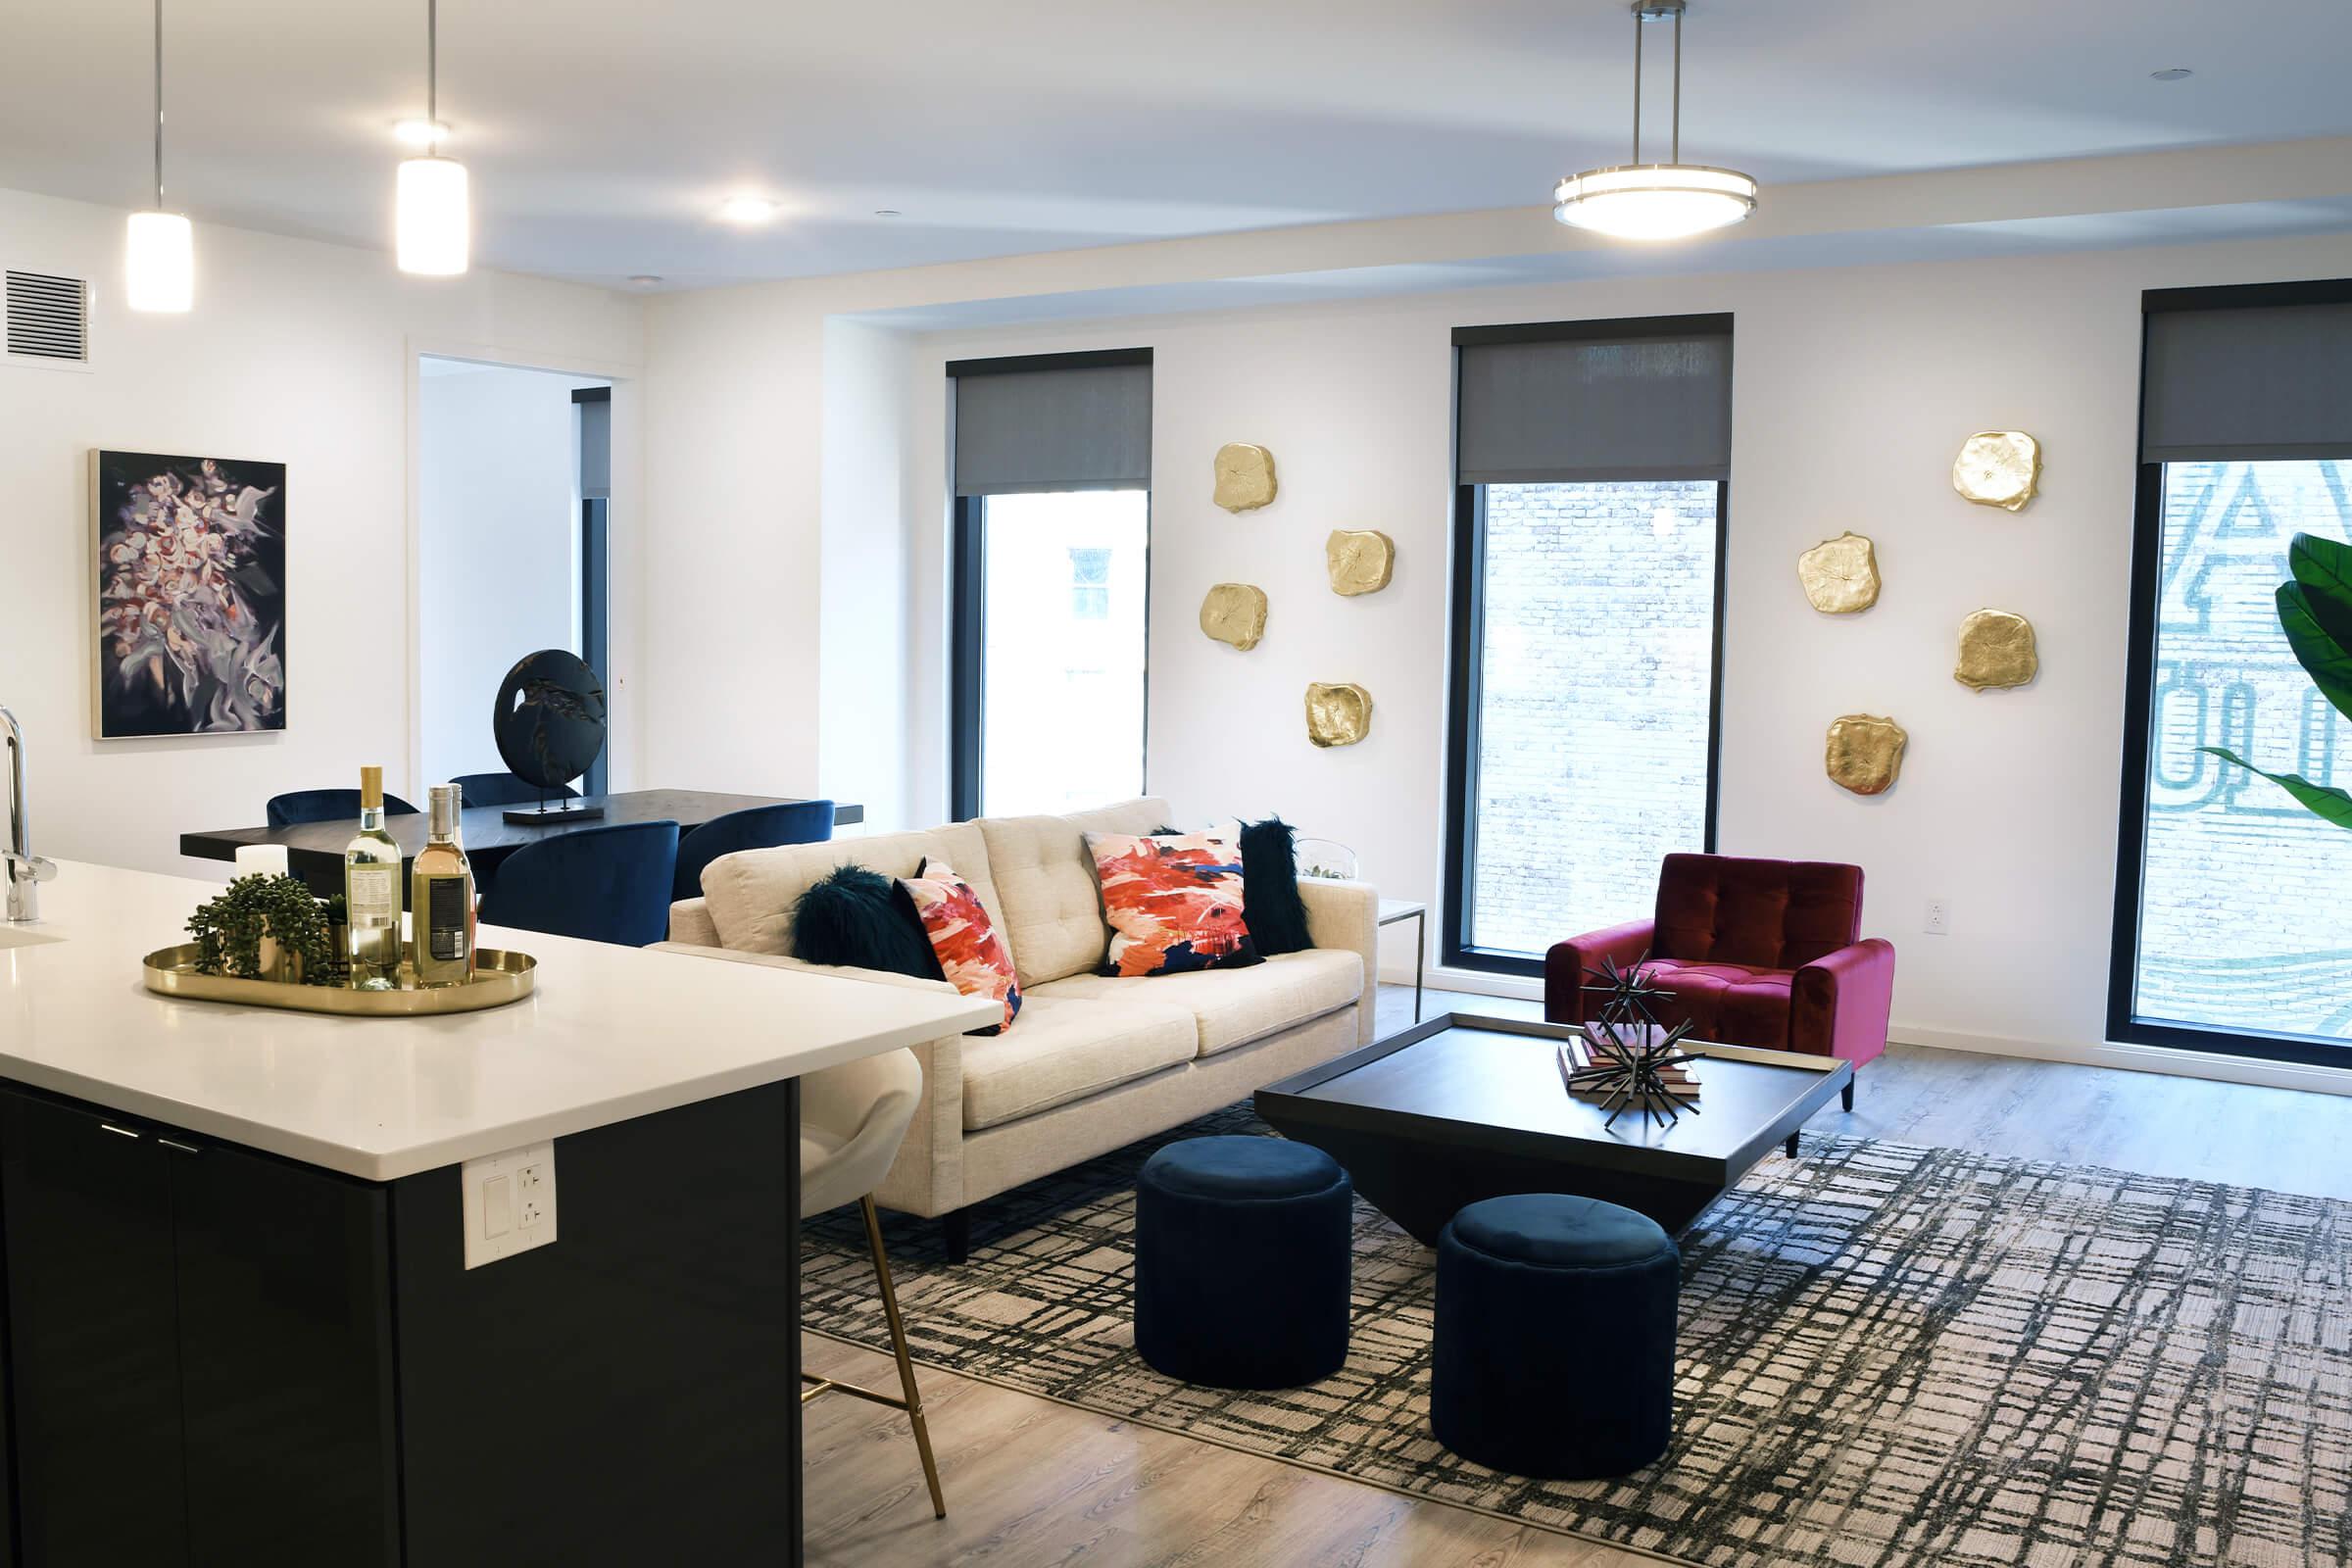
column 1173, row 901
column 864, row 919
column 1277, row 915
column 971, row 955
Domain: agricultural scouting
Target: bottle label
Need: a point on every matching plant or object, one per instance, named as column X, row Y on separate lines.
column 373, row 893
column 445, row 917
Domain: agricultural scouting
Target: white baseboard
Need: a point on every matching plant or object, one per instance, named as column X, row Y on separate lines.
column 2137, row 1058
column 2101, row 1053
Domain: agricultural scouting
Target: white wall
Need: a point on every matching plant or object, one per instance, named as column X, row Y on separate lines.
column 864, row 569
column 497, row 539
column 296, row 352
column 1853, row 389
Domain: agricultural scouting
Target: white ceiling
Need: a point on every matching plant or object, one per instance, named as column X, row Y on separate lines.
column 601, row 135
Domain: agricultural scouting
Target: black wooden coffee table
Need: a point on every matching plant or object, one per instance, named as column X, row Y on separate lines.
column 1461, row 1109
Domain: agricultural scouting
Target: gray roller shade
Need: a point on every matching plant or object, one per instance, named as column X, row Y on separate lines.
column 1631, row 404
column 596, row 448
column 2262, row 382
column 1081, row 427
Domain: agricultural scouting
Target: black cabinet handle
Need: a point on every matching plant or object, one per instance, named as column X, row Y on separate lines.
column 171, row 1142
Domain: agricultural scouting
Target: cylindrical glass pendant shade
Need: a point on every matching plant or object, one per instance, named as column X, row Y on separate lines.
column 160, row 263
column 434, row 225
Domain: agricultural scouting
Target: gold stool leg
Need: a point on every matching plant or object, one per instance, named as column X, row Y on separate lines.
column 898, row 1347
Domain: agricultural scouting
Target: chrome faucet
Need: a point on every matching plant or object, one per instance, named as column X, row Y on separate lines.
column 26, row 871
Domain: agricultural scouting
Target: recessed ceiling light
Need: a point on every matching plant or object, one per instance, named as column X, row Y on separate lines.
column 746, row 208
column 420, row 132
column 888, row 212
column 645, row 280
column 2171, row 74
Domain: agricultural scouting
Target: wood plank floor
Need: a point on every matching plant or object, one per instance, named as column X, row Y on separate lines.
column 1032, row 1482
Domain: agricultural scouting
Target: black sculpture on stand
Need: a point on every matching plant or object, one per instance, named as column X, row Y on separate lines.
column 550, row 725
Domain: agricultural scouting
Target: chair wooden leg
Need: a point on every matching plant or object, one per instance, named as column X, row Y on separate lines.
column 898, row 1348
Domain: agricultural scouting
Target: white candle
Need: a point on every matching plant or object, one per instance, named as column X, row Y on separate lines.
column 262, row 859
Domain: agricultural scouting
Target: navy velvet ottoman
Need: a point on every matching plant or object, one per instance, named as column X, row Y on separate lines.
column 1242, row 1263
column 1555, row 1337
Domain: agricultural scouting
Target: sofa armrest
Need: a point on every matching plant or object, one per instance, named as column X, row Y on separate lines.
column 1839, row 1003
column 927, row 1177
column 1346, row 915
column 690, row 922
column 1565, row 964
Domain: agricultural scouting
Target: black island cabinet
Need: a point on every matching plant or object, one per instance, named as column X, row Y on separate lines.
column 217, row 1356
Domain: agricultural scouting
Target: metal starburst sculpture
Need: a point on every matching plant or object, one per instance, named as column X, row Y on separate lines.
column 1630, row 1074
column 1629, row 992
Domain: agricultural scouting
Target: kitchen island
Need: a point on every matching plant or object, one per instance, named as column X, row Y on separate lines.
column 240, row 1324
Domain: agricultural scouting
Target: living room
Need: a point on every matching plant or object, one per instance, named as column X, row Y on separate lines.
column 1158, row 427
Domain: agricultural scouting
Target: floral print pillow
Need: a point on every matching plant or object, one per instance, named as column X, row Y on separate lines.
column 1173, row 901
column 971, row 955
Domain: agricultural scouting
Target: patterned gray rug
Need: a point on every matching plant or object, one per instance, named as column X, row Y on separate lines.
column 1890, row 1357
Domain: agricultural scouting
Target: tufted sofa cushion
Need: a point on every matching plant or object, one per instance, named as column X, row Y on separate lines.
column 1762, row 914
column 749, row 894
column 1051, row 913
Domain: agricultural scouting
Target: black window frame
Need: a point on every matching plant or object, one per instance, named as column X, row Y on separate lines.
column 1467, row 640
column 967, row 589
column 2123, row 1025
column 596, row 593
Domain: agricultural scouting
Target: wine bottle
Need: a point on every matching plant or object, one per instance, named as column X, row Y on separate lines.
column 441, row 896
column 372, row 891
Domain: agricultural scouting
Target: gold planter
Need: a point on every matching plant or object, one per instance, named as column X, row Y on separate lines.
column 499, row 978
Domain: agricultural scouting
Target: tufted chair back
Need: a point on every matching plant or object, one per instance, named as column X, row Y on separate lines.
column 1769, row 914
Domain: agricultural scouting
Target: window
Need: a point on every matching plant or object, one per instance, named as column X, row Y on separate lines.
column 1051, row 569
column 1090, row 583
column 2229, row 926
column 1593, row 466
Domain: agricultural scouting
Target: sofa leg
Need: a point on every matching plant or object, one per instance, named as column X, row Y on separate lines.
column 955, row 1234
column 1847, row 1094
column 1792, row 1145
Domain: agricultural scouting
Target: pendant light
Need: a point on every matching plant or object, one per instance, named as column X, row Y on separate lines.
column 432, row 225
column 1656, row 201
column 160, row 248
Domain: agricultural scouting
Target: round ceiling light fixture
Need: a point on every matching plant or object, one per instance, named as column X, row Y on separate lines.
column 432, row 218
column 2171, row 74
column 645, row 280
column 1642, row 201
column 747, row 210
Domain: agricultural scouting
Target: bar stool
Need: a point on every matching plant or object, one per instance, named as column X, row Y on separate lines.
column 852, row 1119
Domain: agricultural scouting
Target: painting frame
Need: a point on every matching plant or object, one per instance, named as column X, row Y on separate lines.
column 188, row 596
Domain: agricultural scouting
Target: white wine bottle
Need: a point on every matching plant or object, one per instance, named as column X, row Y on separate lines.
column 372, row 891
column 441, row 896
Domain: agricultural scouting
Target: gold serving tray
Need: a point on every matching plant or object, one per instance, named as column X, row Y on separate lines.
column 499, row 978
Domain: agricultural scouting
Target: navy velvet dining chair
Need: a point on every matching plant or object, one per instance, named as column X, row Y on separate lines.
column 763, row 827
column 504, row 789
column 601, row 884
column 297, row 806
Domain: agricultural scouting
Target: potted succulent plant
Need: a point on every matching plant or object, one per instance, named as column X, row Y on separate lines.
column 265, row 928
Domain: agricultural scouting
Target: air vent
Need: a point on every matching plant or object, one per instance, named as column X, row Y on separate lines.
column 48, row 318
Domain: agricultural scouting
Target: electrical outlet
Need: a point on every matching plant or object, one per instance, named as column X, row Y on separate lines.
column 1939, row 917
column 508, row 1203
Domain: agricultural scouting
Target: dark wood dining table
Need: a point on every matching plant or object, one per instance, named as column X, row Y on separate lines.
column 314, row 849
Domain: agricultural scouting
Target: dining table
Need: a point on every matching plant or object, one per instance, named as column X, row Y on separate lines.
column 314, row 849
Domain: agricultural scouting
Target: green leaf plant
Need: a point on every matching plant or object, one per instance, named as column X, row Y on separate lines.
column 228, row 930
column 2314, row 610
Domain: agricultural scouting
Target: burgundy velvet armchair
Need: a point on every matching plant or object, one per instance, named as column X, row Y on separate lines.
column 1757, row 952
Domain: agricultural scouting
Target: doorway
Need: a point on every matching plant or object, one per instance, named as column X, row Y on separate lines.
column 514, row 518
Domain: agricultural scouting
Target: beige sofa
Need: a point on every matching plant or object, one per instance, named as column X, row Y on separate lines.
column 1095, row 1060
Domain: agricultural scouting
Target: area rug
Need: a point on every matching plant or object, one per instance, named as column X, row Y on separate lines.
column 1890, row 1356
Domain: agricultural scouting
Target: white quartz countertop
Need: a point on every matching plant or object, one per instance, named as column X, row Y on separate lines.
column 609, row 1034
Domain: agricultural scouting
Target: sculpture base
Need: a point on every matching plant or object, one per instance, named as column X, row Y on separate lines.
column 558, row 813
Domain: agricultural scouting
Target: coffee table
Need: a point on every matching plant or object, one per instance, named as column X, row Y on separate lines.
column 1461, row 1109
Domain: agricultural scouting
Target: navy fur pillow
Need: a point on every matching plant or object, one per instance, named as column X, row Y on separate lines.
column 864, row 919
column 1270, row 903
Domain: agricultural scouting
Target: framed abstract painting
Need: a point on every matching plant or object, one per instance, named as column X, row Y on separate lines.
column 190, row 630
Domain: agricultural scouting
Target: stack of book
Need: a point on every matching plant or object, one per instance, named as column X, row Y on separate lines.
column 1580, row 1056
